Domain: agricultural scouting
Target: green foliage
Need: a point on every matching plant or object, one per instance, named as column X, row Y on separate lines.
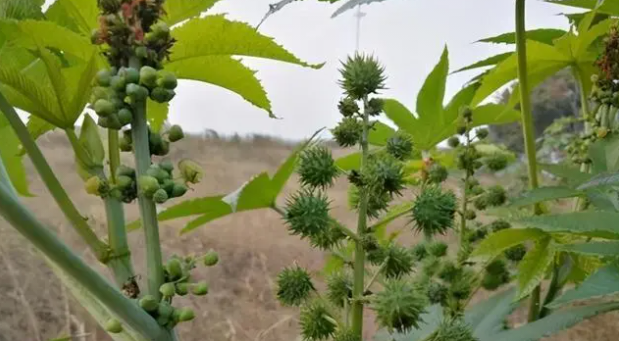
column 543, row 194
column 534, row 266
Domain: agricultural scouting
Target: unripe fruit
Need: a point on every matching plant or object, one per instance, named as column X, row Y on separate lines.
column 125, row 116
column 164, row 149
column 179, row 190
column 124, row 181
column 148, row 76
column 161, row 95
column 148, row 185
column 160, row 197
column 136, row 92
column 104, row 77
column 453, row 142
column 175, row 133
column 165, row 309
column 131, row 75
column 168, row 187
column 104, row 108
column 149, row 303
column 158, row 173
column 113, row 122
column 470, row 215
column 211, row 258
column 182, row 289
column 126, row 171
column 141, row 52
column 167, row 289
column 103, row 122
column 175, row 268
column 482, row 133
column 186, row 314
column 167, row 80
column 155, row 141
column 160, row 30
column 113, row 326
column 125, row 144
column 200, row 289
column 118, row 83
column 167, row 166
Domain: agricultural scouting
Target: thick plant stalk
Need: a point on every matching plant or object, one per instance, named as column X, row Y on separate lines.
column 359, row 261
column 527, row 128
column 99, row 248
column 148, row 210
column 71, row 264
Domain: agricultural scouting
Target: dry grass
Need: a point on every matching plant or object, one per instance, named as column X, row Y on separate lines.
column 253, row 247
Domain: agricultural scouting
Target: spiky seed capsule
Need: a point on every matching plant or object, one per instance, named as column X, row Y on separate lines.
column 149, row 303
column 348, row 107
column 294, row 286
column 148, row 185
column 190, row 171
column 492, row 282
column 496, row 162
column 378, row 200
column 346, row 335
column 167, row 289
column 437, row 293
column 317, row 168
column 160, row 196
column 399, row 306
column 385, row 173
column 113, row 326
column 453, row 330
column 470, row 215
column 400, row 146
column 430, row 266
column 200, row 289
column 186, row 314
column 516, row 253
column 496, row 196
column 348, row 132
column 361, row 76
column 480, row 203
column 437, row 173
column 316, row 322
column 419, row 251
column 399, row 261
column 449, row 271
column 453, row 142
column 482, row 133
column 175, row 133
column 211, row 258
column 307, row 213
column 462, row 286
column 437, row 249
column 327, row 239
column 339, row 288
column 182, row 289
column 375, row 106
column 433, row 211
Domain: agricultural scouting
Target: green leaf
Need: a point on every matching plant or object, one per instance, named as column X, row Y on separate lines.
column 490, row 61
column 604, row 155
column 601, row 180
column 91, row 141
column 602, row 283
column 544, row 194
column 533, row 266
column 432, row 93
column 575, row 222
column 380, row 134
column 392, row 214
column 608, row 7
column 553, row 323
column 601, row 249
column 21, row 9
column 38, row 127
column 500, row 241
column 572, row 174
column 77, row 15
column 179, row 10
column 488, row 317
column 333, row 264
column 400, row 115
column 543, row 35
column 284, row 172
column 157, row 114
column 349, row 162
column 11, row 158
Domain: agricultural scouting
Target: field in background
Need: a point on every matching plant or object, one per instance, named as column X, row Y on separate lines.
column 253, row 248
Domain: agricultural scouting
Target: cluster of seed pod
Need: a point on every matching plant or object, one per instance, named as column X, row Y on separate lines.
column 158, row 143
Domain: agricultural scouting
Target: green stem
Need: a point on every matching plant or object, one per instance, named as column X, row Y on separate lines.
column 114, row 152
column 79, row 223
column 148, row 210
column 60, row 254
column 376, row 274
column 527, row 128
column 553, row 290
column 359, row 261
column 465, row 199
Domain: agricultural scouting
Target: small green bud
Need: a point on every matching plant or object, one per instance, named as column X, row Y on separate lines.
column 136, row 92
column 211, row 258
column 158, row 173
column 179, row 190
column 118, row 83
column 124, row 182
column 190, row 171
column 461, row 130
column 131, row 75
column 182, row 289
column 125, row 116
column 167, row 80
column 167, row 166
column 104, row 77
column 453, row 142
column 113, row 326
column 125, row 171
column 148, row 77
column 200, row 289
column 148, row 185
column 168, row 187
column 149, row 303
column 175, row 133
column 96, row 186
column 141, row 52
column 161, row 95
column 113, row 122
column 482, row 133
column 164, row 309
column 104, row 108
column 466, row 113
column 186, row 314
column 167, row 289
column 174, row 268
column 160, row 196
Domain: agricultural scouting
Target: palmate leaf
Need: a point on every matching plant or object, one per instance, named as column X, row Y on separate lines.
column 77, row 15
column 496, row 243
column 571, row 174
column 533, row 267
column 10, row 156
column 585, row 223
column 600, row 249
column 210, row 42
column 602, row 283
column 543, row 35
column 608, row 7
column 544, row 194
column 179, row 10
column 21, row 9
column 490, row 61
column 157, row 114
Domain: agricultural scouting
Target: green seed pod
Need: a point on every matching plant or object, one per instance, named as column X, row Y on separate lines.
column 161, row 95
column 125, row 116
column 123, row 170
column 118, row 83
column 481, row 203
column 163, row 321
column 97, row 186
column 316, row 322
column 125, row 144
column 348, row 132
column 419, row 251
column 175, row 133
column 104, row 77
column 164, row 309
column 186, row 314
column 453, row 330
column 361, row 76
column 148, row 185
column 339, row 288
column 104, row 108
column 375, row 106
column 190, row 171
column 516, row 253
column 399, row 306
column 141, row 52
column 496, row 162
column 174, row 268
column 163, row 149
column 160, row 196
column 437, row 173
column 466, row 113
column 346, row 334
column 499, row 225
column 179, row 190
column 294, row 286
column 136, row 92
column 496, row 196
column 453, row 142
column 461, row 130
column 430, row 265
column 449, row 271
column 434, row 210
column 399, row 261
column 307, row 213
column 437, row 249
column 148, row 77
column 400, row 146
column 378, row 201
column 167, row 80
column 168, row 187
column 462, row 286
column 317, row 168
column 155, row 141
column 437, row 293
column 167, row 166
column 211, row 258
column 348, row 107
column 482, row 133
column 492, row 282
column 113, row 326
column 149, row 303
column 386, row 173
column 124, row 182
column 182, row 289
column 158, row 173
column 113, row 122
column 131, row 75
column 167, row 289
column 200, row 289
column 470, row 215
